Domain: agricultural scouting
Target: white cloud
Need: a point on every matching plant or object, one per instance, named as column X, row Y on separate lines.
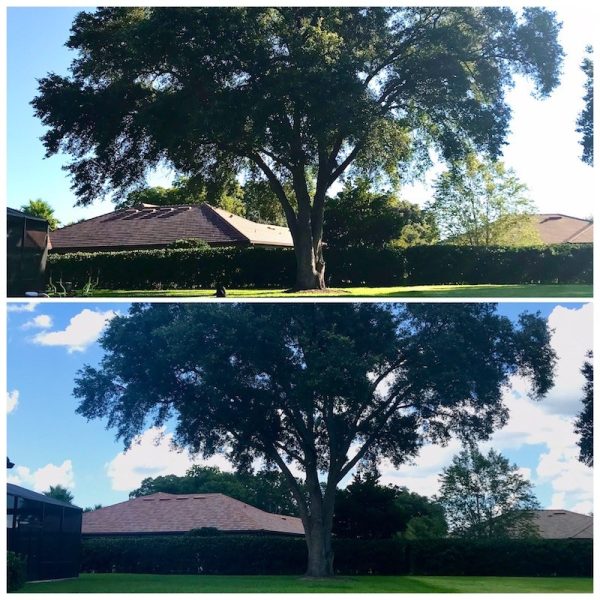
column 39, row 322
column 572, row 338
column 21, row 307
column 41, row 479
column 151, row 455
column 12, row 401
column 82, row 331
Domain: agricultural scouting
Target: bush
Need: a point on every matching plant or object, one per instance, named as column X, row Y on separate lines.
column 264, row 555
column 16, row 571
column 508, row 557
column 190, row 268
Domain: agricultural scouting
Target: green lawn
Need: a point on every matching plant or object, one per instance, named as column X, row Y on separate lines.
column 419, row 291
column 125, row 583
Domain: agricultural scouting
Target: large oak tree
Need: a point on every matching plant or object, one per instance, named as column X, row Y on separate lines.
column 290, row 94
column 313, row 389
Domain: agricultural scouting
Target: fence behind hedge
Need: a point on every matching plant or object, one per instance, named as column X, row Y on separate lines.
column 258, row 555
column 270, row 267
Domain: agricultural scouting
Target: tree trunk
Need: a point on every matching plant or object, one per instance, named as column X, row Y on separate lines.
column 310, row 266
column 320, row 553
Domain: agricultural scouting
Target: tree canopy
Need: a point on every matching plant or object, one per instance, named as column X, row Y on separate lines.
column 314, row 387
column 585, row 121
column 59, row 492
column 358, row 216
column 42, row 209
column 365, row 509
column 584, row 425
column 486, row 496
column 479, row 202
column 266, row 490
column 280, row 93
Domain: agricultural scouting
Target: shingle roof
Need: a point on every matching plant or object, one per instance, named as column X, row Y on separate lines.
column 563, row 524
column 179, row 513
column 561, row 229
column 147, row 226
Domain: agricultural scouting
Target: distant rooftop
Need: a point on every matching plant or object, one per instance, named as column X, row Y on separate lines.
column 556, row 228
column 149, row 226
column 178, row 513
column 557, row 524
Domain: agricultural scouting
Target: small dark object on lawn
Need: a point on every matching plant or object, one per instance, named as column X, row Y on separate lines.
column 221, row 291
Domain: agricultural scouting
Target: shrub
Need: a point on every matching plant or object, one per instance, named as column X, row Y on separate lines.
column 189, row 243
column 270, row 555
column 508, row 557
column 191, row 268
column 16, row 571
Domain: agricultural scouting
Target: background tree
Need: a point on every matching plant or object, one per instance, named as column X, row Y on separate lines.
column 584, row 425
column 286, row 93
column 266, row 490
column 316, row 387
column 479, row 202
column 486, row 496
column 91, row 508
column 358, row 216
column 58, row 492
column 585, row 121
column 366, row 509
column 40, row 208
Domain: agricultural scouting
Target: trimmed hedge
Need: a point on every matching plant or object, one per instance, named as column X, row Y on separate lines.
column 16, row 571
column 190, row 268
column 258, row 555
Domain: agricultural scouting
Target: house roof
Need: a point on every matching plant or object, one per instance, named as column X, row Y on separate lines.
column 179, row 513
column 12, row 212
column 149, row 226
column 17, row 490
column 555, row 228
column 563, row 524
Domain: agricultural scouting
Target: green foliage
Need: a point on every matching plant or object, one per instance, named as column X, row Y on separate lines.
column 585, row 121
column 40, row 208
column 16, row 571
column 367, row 510
column 584, row 425
column 189, row 243
column 266, row 490
column 478, row 202
column 190, row 268
column 205, row 532
column 287, row 92
column 359, row 217
column 485, row 496
column 245, row 555
column 444, row 264
column 58, row 492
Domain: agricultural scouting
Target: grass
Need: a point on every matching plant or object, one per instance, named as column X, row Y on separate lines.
column 419, row 291
column 128, row 583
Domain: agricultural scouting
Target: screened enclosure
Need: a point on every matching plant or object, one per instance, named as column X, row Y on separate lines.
column 26, row 251
column 45, row 531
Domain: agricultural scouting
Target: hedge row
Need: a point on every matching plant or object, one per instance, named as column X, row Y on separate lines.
column 190, row 268
column 247, row 555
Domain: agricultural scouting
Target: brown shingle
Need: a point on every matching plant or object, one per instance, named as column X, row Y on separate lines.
column 179, row 513
column 156, row 227
column 562, row 229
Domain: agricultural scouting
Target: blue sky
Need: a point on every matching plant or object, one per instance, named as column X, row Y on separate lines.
column 50, row 444
column 543, row 146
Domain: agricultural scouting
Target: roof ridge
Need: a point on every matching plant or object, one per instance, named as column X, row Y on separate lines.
column 563, row 215
column 580, row 231
column 224, row 220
